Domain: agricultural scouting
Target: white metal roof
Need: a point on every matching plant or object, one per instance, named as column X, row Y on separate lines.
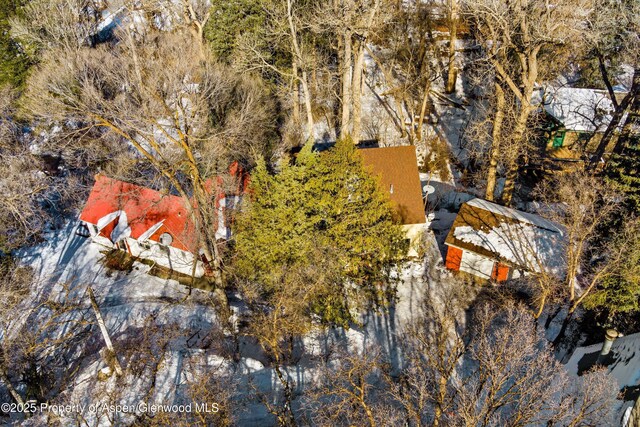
column 581, row 110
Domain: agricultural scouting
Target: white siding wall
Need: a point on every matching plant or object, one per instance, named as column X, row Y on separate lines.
column 414, row 233
column 166, row 256
column 476, row 264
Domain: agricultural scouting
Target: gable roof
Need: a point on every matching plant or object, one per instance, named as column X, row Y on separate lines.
column 145, row 209
column 397, row 168
column 578, row 109
column 121, row 209
column 513, row 237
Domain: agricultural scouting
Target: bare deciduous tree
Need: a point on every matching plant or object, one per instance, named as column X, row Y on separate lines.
column 452, row 21
column 186, row 117
column 25, row 188
column 349, row 393
column 581, row 203
column 612, row 39
column 280, row 317
column 433, row 349
column 286, row 31
column 500, row 372
column 517, row 37
column 408, row 60
column 352, row 24
column 57, row 24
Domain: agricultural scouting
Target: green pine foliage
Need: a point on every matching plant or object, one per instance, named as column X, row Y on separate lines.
column 619, row 291
column 324, row 214
column 231, row 19
column 615, row 295
column 14, row 64
column 623, row 170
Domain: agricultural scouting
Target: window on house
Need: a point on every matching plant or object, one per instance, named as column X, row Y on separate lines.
column 583, row 139
column 166, row 239
column 83, row 230
column 500, row 272
column 558, row 139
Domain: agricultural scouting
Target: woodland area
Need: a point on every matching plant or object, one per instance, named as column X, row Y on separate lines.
column 312, row 314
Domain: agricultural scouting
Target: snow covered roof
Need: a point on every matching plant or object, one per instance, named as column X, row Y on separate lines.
column 514, row 237
column 120, row 209
column 397, row 168
column 623, row 363
column 581, row 110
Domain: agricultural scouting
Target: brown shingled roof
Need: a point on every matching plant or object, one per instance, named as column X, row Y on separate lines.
column 397, row 168
column 519, row 238
column 478, row 219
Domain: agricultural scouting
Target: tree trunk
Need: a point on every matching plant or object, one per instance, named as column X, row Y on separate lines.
column 616, row 119
column 572, row 273
column 605, row 78
column 296, row 51
column 423, row 108
column 346, row 85
column 453, row 30
column 290, row 419
column 510, row 183
column 4, row 377
column 633, row 118
column 518, row 142
column 296, row 95
column 439, row 404
column 496, row 133
column 357, row 93
column 206, row 223
column 541, row 304
column 105, row 333
column 307, row 104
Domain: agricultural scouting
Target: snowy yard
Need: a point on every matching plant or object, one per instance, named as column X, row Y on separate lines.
column 136, row 301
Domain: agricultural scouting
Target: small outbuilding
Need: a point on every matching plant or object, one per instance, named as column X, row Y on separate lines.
column 577, row 117
column 494, row 242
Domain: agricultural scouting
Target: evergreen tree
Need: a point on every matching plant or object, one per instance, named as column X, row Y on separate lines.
column 619, row 289
column 324, row 215
column 13, row 63
column 355, row 216
column 230, row 19
column 623, row 170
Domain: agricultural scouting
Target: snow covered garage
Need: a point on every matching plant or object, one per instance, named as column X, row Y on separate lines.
column 495, row 242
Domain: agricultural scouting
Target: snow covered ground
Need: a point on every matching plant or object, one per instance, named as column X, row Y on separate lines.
column 134, row 302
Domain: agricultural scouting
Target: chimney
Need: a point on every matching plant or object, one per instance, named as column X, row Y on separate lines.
column 609, row 338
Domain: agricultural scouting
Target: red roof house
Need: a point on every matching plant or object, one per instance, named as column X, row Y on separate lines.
column 153, row 224
column 146, row 210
